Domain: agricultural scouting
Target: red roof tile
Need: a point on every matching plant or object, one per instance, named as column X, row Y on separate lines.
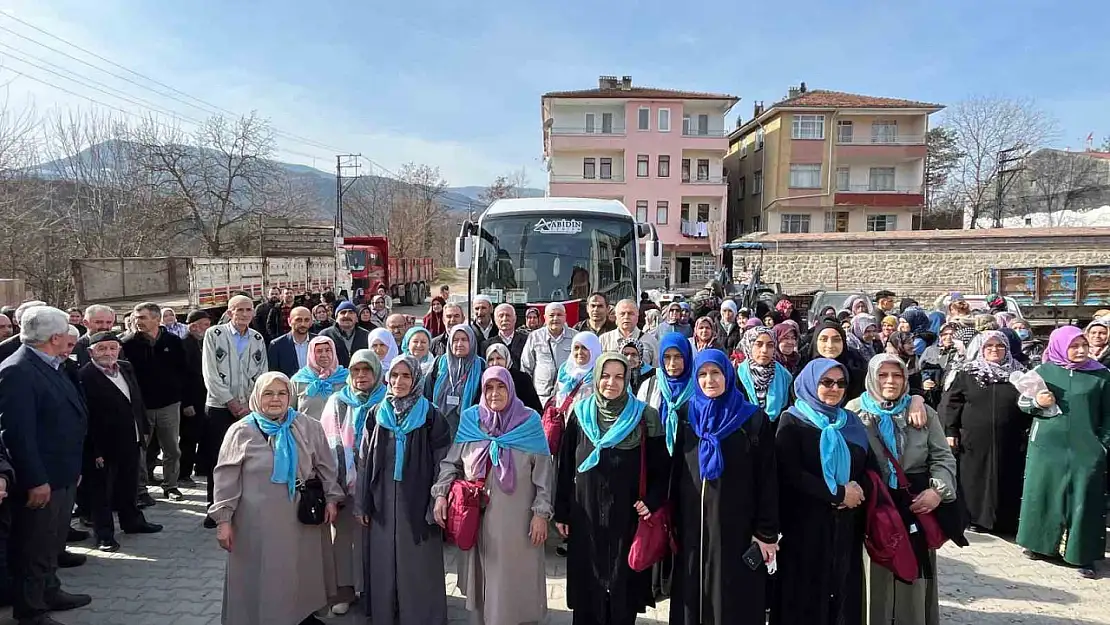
column 640, row 93
column 821, row 98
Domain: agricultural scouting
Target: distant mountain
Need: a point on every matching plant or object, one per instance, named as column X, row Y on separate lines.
column 455, row 200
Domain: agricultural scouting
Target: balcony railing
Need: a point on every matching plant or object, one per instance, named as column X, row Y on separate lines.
column 615, row 131
column 694, row 229
column 883, row 140
column 878, row 188
column 578, row 178
column 694, row 132
column 686, row 179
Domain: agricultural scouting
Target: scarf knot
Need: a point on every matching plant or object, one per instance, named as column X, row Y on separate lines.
column 629, row 418
column 416, row 418
column 280, row 435
column 668, row 408
column 527, row 437
column 885, row 422
column 318, row 385
column 836, row 459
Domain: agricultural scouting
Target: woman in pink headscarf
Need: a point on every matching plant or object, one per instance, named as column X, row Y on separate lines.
column 501, row 442
column 1064, row 502
column 321, row 376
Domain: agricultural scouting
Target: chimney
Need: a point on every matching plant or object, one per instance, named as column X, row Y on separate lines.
column 802, row 88
column 607, row 82
column 626, row 83
column 757, row 109
column 792, row 93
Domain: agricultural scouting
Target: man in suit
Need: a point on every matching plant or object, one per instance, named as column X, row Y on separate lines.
column 288, row 353
column 117, row 426
column 12, row 343
column 482, row 320
column 98, row 318
column 507, row 334
column 453, row 315
column 195, row 393
column 348, row 337
column 43, row 423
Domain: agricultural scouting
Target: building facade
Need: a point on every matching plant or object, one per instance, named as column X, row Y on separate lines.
column 659, row 151
column 825, row 161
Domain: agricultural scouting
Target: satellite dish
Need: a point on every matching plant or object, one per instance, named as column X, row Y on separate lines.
column 549, row 122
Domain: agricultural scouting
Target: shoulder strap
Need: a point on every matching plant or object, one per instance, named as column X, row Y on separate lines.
column 570, row 397
column 903, row 481
column 643, row 457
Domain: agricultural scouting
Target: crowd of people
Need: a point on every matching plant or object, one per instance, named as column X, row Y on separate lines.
column 341, row 445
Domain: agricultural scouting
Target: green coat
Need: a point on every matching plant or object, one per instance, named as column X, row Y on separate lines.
column 1063, row 501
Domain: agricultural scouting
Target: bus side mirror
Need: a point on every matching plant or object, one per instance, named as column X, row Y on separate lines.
column 464, row 252
column 653, row 255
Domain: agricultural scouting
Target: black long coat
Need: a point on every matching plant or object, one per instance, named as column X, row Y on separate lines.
column 115, row 421
column 820, row 576
column 712, row 585
column 993, row 438
column 598, row 505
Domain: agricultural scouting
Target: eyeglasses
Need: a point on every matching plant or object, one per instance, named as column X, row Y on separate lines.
column 830, row 383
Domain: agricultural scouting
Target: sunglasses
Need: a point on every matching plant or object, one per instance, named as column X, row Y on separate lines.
column 830, row 383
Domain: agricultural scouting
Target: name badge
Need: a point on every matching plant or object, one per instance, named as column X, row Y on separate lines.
column 913, row 528
column 452, row 400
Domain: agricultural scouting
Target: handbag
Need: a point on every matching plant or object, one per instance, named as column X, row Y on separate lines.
column 312, row 502
column 927, row 522
column 554, row 419
column 885, row 535
column 464, row 512
column 654, row 539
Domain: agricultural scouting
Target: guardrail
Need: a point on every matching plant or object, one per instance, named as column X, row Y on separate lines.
column 882, row 140
column 694, row 132
column 596, row 131
column 595, row 180
column 703, row 180
column 869, row 188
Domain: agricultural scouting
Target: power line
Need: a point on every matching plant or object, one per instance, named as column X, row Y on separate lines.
column 207, row 106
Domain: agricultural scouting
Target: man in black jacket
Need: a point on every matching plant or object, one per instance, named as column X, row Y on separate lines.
column 117, row 427
column 347, row 336
column 507, row 334
column 453, row 315
column 597, row 316
column 159, row 360
column 192, row 404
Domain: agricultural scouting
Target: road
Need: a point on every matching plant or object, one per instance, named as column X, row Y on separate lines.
column 176, row 578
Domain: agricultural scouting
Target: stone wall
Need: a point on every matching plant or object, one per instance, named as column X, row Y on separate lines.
column 919, row 264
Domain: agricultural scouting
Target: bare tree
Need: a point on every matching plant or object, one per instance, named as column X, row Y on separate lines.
column 505, row 187
column 408, row 210
column 984, row 127
column 368, row 205
column 1059, row 181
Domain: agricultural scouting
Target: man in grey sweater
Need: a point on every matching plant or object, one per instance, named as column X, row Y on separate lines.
column 546, row 349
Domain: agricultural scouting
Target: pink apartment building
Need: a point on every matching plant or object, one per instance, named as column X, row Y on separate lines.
column 659, row 151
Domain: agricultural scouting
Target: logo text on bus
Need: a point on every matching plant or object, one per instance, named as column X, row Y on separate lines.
column 558, row 226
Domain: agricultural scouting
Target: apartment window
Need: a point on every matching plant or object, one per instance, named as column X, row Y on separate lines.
column 684, row 212
column 703, row 125
column 805, row 176
column 836, row 221
column 685, row 170
column 843, row 178
column 606, row 169
column 740, row 188
column 664, row 120
column 641, row 211
column 743, row 148
column 642, row 166
column 590, row 119
column 881, row 179
column 703, row 169
column 703, row 213
column 664, row 166
column 808, row 127
column 645, row 119
column 844, row 131
column 661, row 213
column 882, row 223
column 757, row 183
column 884, row 132
column 589, row 168
column 607, row 123
column 759, row 139
column 755, row 223
column 794, row 224
column 686, row 125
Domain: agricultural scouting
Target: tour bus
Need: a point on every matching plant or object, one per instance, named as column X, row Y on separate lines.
column 532, row 251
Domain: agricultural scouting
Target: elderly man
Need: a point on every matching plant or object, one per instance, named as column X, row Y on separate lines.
column 12, row 343
column 482, row 322
column 453, row 315
column 43, row 423
column 597, row 316
column 397, row 324
column 348, row 337
column 159, row 360
column 507, row 334
column 628, row 313
column 98, row 318
column 7, row 328
column 194, row 394
column 288, row 353
column 117, row 427
column 378, row 310
column 546, row 349
column 234, row 356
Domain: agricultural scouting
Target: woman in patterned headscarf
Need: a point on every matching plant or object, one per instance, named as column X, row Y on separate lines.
column 453, row 384
column 633, row 350
column 763, row 381
column 982, row 419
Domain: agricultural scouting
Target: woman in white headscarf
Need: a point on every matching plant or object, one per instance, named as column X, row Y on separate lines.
column 384, row 346
column 576, row 373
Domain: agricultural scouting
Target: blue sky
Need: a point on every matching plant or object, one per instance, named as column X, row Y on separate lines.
column 457, row 84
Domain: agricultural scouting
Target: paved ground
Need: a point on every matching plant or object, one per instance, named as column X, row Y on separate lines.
column 176, row 578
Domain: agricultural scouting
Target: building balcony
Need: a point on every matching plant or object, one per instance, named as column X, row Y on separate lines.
column 889, row 149
column 696, row 132
column 614, row 178
column 694, row 229
column 702, row 180
column 874, row 195
column 587, row 131
column 881, row 140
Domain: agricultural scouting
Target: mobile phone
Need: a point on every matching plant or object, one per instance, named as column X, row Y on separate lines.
column 753, row 557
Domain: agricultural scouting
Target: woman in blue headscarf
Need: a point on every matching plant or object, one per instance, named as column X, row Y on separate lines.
column 453, row 383
column 725, row 494
column 597, row 498
column 821, row 452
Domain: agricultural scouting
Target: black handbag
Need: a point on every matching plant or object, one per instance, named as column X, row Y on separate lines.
column 310, row 506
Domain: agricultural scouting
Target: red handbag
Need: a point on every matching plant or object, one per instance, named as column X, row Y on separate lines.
column 464, row 512
column 654, row 538
column 928, row 524
column 554, row 419
column 885, row 535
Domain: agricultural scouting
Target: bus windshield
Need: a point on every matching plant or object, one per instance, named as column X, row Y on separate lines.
column 543, row 258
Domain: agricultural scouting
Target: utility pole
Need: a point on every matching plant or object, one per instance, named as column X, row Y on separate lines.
column 347, row 168
column 470, row 270
column 1009, row 164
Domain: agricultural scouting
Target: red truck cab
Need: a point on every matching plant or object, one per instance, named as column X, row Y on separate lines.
column 406, row 280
